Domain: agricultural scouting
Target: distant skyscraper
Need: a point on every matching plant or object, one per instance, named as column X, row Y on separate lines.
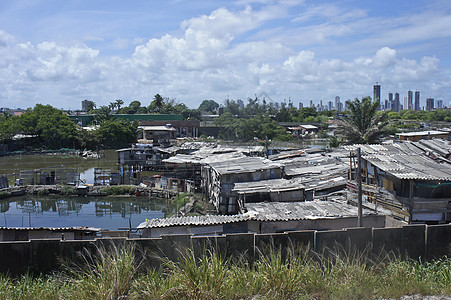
column 301, row 105
column 396, row 103
column 330, row 105
column 409, row 100
column 439, row 104
column 429, row 104
column 417, row 100
column 311, row 103
column 87, row 105
column 377, row 94
column 390, row 101
column 405, row 105
column 338, row 106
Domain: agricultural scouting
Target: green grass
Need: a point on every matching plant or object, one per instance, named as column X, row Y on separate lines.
column 118, row 272
column 119, row 190
column 68, row 190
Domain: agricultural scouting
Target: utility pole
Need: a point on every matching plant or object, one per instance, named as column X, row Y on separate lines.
column 359, row 184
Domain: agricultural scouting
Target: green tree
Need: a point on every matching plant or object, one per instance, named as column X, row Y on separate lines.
column 102, row 114
column 157, row 104
column 54, row 129
column 363, row 124
column 119, row 103
column 208, row 106
column 9, row 126
column 91, row 106
column 232, row 107
column 118, row 133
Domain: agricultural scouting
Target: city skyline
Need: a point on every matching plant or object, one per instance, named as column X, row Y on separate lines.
column 299, row 50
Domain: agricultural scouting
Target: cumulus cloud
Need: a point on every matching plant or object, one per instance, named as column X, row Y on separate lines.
column 215, row 56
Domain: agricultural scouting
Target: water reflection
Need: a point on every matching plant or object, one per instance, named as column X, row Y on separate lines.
column 103, row 212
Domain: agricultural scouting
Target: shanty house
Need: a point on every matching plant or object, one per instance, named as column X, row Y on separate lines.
column 219, row 178
column 409, row 178
column 266, row 218
column 156, row 134
column 423, row 135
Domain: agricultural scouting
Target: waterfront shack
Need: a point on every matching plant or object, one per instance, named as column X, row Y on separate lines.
column 409, row 178
column 260, row 218
column 218, row 179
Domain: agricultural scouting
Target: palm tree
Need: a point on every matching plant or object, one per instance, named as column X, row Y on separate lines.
column 364, row 124
column 119, row 103
column 112, row 106
column 157, row 104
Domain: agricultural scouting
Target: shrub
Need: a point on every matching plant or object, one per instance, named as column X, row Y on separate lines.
column 68, row 190
column 119, row 190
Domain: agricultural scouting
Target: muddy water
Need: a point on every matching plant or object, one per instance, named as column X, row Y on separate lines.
column 12, row 165
column 59, row 211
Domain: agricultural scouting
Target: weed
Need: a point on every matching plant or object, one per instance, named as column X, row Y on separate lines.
column 119, row 190
column 68, row 190
column 106, row 274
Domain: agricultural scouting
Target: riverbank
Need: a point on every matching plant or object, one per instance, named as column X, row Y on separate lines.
column 127, row 190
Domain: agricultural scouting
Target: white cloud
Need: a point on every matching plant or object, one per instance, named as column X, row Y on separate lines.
column 225, row 53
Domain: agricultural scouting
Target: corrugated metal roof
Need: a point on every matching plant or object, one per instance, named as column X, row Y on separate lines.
column 191, row 221
column 421, row 133
column 265, row 211
column 244, row 165
column 408, row 160
column 284, row 211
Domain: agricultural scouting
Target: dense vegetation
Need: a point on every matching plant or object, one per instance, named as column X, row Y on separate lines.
column 297, row 274
column 49, row 128
column 46, row 127
column 364, row 123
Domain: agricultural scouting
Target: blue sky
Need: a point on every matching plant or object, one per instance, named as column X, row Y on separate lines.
column 62, row 52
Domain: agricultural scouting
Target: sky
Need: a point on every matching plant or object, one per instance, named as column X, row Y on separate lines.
column 62, row 52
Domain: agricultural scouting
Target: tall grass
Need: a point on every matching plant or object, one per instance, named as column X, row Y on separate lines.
column 117, row 272
column 107, row 273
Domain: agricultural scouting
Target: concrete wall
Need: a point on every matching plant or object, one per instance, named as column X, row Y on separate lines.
column 414, row 241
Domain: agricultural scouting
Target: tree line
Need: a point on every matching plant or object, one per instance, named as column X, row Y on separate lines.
column 46, row 127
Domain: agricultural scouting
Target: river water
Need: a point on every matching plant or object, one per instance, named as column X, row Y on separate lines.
column 12, row 165
column 66, row 211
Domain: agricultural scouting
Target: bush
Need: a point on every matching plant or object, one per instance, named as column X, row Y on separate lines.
column 4, row 194
column 119, row 190
column 68, row 191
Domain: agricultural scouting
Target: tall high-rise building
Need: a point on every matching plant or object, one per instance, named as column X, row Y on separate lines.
column 311, row 103
column 395, row 106
column 417, row 100
column 301, row 105
column 338, row 105
column 377, row 94
column 405, row 105
column 409, row 100
column 390, row 101
column 429, row 104
column 330, row 105
column 87, row 105
column 439, row 104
